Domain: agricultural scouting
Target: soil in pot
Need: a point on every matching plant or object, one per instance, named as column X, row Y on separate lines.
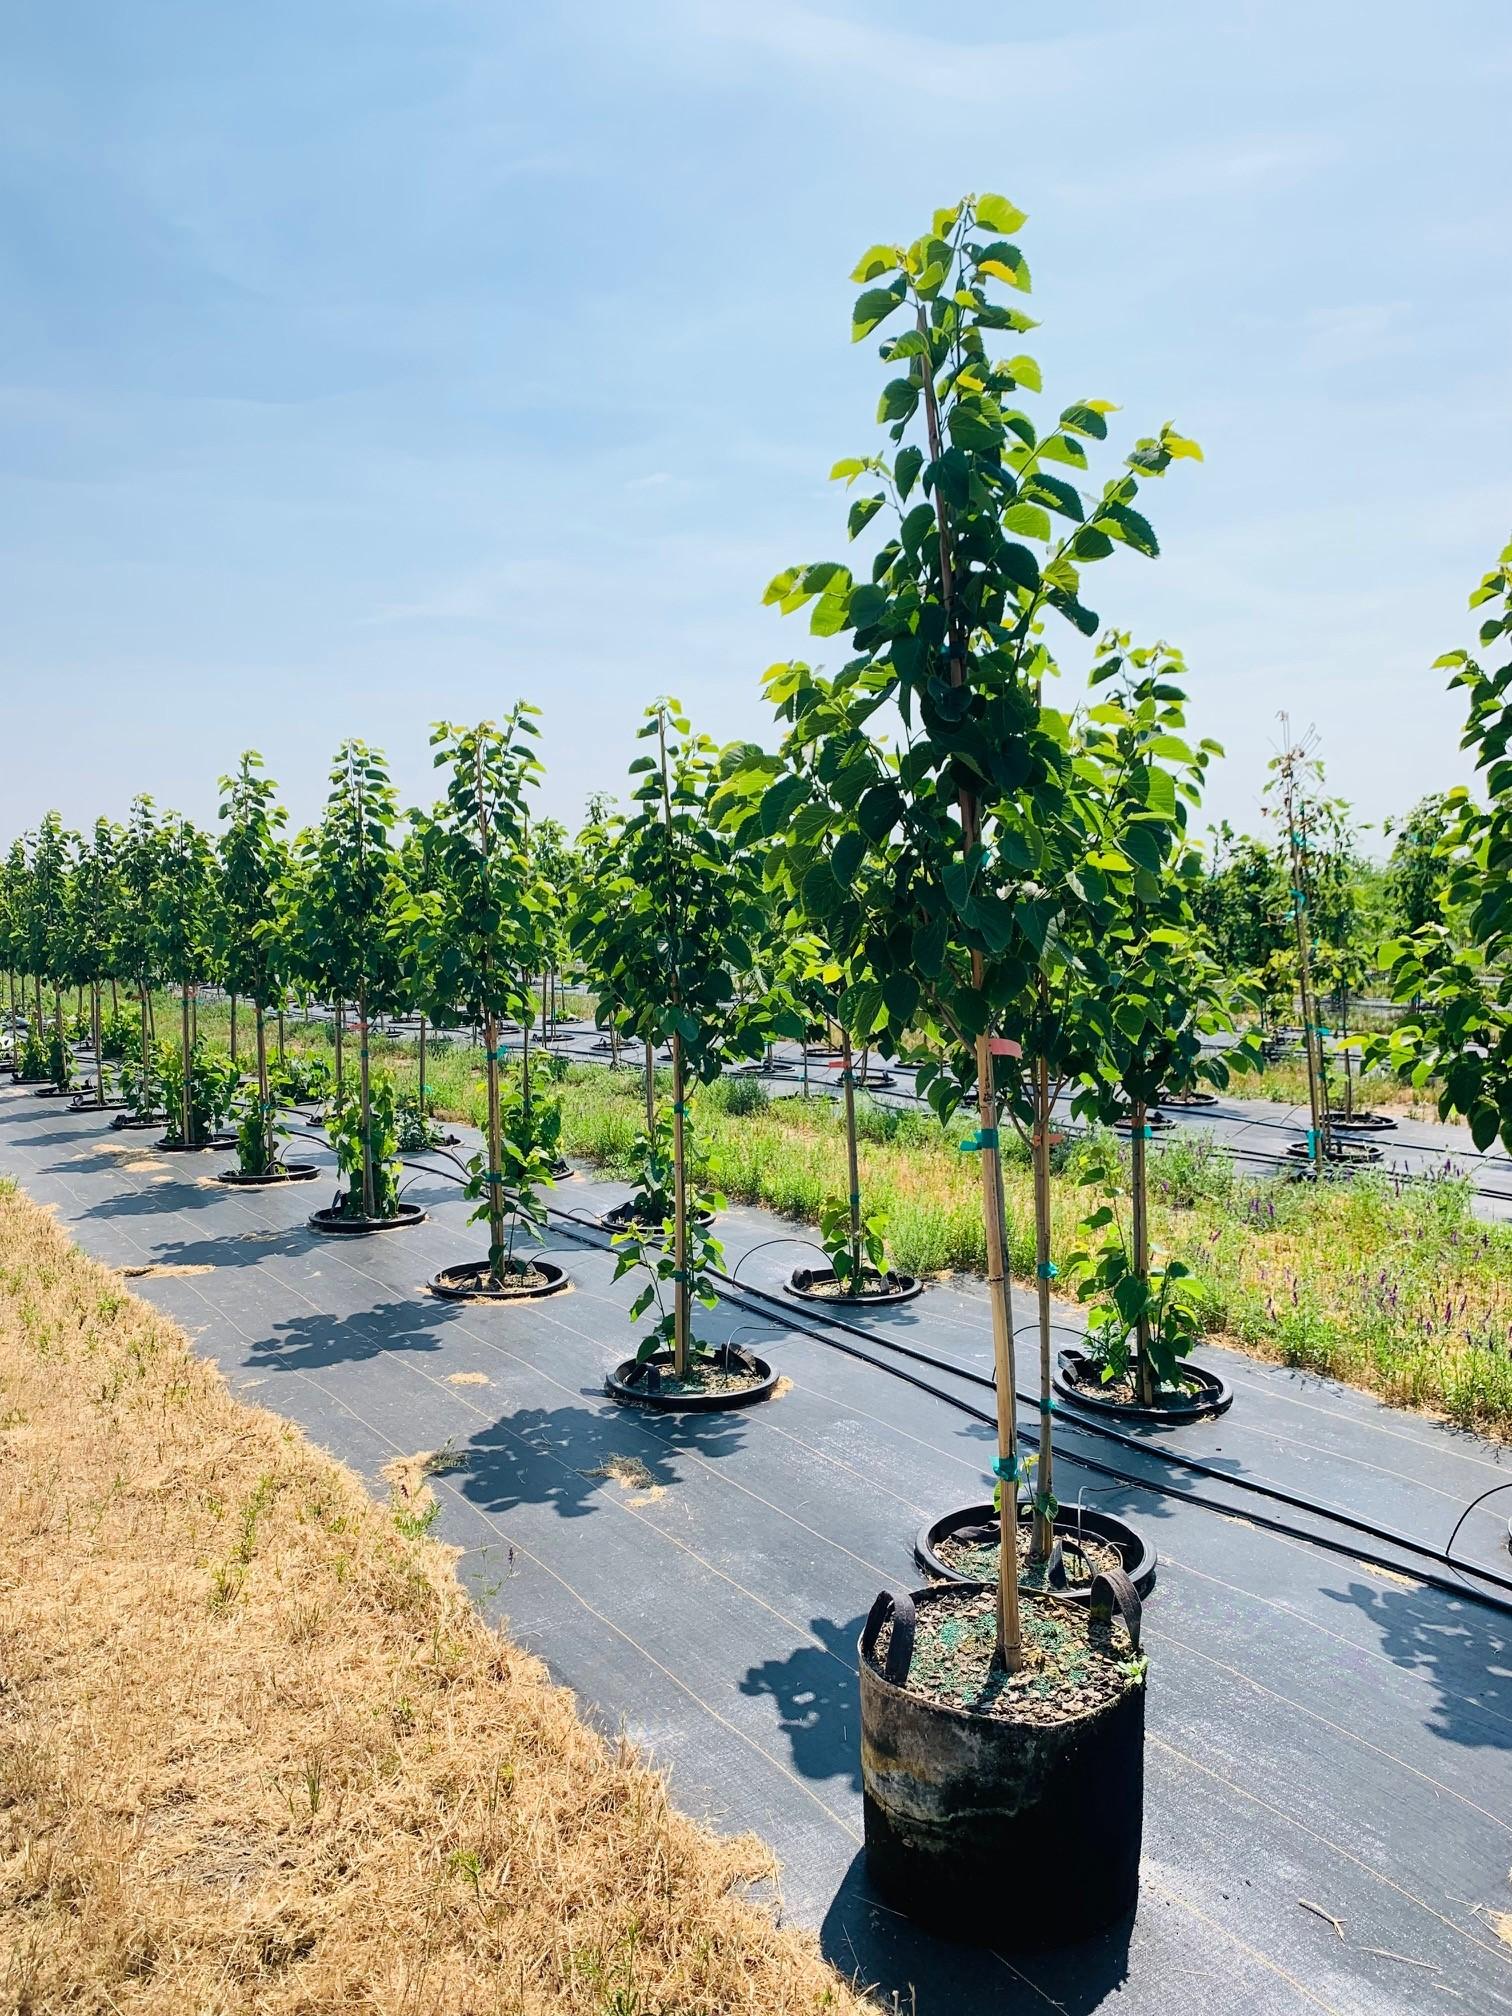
column 818, row 1284
column 523, row 1280
column 624, row 1216
column 1200, row 1391
column 976, row 1560
column 723, row 1378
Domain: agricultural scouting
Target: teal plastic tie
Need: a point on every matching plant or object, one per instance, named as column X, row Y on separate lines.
column 1006, row 1468
column 984, row 1137
column 493, row 1175
column 1046, row 1405
column 680, row 1274
column 680, row 1107
column 1145, row 1133
column 1047, row 1270
column 1312, row 1140
column 855, row 1198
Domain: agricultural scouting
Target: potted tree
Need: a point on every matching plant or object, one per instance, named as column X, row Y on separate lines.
column 198, row 1088
column 49, row 954
column 667, row 937
column 94, row 902
column 342, row 890
column 477, row 929
column 134, row 955
column 27, row 1061
column 252, row 864
column 980, row 1751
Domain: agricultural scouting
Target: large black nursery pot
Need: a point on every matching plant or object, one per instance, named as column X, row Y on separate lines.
column 995, row 1832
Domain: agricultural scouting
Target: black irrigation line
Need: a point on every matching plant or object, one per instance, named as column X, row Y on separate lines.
column 761, row 1302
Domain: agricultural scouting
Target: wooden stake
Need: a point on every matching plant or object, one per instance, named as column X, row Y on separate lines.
column 94, row 1010
column 1044, row 1529
column 364, row 1089
column 265, row 1104
column 185, row 1103
column 679, row 1218
column 1139, row 1185
column 847, row 1080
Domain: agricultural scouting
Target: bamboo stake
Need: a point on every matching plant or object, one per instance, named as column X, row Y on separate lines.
column 1139, row 1184
column 185, row 1103
column 650, row 1088
column 265, row 1104
column 1010, row 1643
column 94, row 1009
column 422, row 1067
column 1044, row 1528
column 848, row 1081
column 364, row 1096
column 679, row 1218
column 233, row 1028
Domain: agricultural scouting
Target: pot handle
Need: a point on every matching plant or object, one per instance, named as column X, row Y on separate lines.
column 1111, row 1589
column 900, row 1646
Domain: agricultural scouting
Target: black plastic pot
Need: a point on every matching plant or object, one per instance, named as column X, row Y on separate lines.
column 1341, row 1154
column 89, row 1104
column 623, row 1219
column 53, row 1091
column 634, row 1384
column 1157, row 1121
column 810, row 1283
column 468, row 1282
column 995, row 1832
column 1072, row 1521
column 18, row 1079
column 561, row 1170
column 334, row 1223
column 132, row 1122
column 1212, row 1394
column 286, row 1172
column 778, row 1068
column 1363, row 1122
column 216, row 1145
column 1189, row 1098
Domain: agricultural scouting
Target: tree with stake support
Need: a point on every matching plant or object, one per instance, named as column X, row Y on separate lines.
column 476, row 931
column 253, row 861
column 338, row 905
column 185, row 932
column 948, row 630
column 1296, row 814
column 93, row 902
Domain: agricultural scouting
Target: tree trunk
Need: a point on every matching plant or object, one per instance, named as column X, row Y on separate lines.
column 94, row 1012
column 495, row 1156
column 650, row 1089
column 233, row 1028
column 422, row 1069
column 115, row 1005
column 340, row 1077
column 545, row 1008
column 1044, row 1525
column 1139, row 1136
column 184, row 1100
column 680, row 1298
column 265, row 1104
column 280, row 1038
column 848, row 1082
column 369, row 1198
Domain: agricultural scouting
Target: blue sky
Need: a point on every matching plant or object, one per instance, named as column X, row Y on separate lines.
column 375, row 361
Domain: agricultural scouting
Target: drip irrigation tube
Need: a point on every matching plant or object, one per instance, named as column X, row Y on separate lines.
column 761, row 1302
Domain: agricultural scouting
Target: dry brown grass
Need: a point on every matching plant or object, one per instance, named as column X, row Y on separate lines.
column 258, row 1752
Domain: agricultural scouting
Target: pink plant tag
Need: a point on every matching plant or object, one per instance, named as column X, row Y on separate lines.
column 1004, row 1046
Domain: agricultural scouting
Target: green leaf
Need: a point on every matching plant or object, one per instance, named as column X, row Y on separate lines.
column 1030, row 521
column 1026, row 372
column 972, row 424
column 996, row 213
column 1056, row 492
column 906, row 469
column 849, row 467
column 1082, row 418
column 874, row 306
column 875, row 260
column 780, row 800
column 899, row 401
column 862, row 512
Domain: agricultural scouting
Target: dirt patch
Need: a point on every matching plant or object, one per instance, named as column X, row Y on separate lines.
column 261, row 1754
column 977, row 1560
column 468, row 1379
column 161, row 1267
column 632, row 1475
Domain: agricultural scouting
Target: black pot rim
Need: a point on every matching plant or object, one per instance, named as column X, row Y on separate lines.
column 85, row 1104
column 689, row 1403
column 218, row 1144
column 622, row 1219
column 933, row 1592
column 1364, row 1122
column 1138, row 1552
column 51, row 1091
column 1193, row 1098
column 1363, row 1153
column 327, row 1221
column 286, row 1172
column 451, row 1289
column 801, row 1283
column 1218, row 1395
column 1154, row 1119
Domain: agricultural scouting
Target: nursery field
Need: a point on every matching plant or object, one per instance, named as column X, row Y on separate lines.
column 1398, row 1287
column 1328, row 1731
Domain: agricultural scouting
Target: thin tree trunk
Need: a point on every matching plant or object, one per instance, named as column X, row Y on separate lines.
column 545, row 1011
column 233, row 1028
column 1044, row 1526
column 1010, row 1643
column 94, row 1007
column 495, row 1156
column 369, row 1198
column 340, row 1078
column 848, row 1082
column 650, row 1089
column 115, row 1005
column 64, row 1069
column 184, row 1100
column 265, row 1104
column 280, row 1039
column 422, row 1069
column 1139, row 1134
column 679, row 1218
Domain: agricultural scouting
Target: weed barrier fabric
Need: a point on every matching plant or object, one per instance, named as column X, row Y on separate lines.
column 1317, row 1731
